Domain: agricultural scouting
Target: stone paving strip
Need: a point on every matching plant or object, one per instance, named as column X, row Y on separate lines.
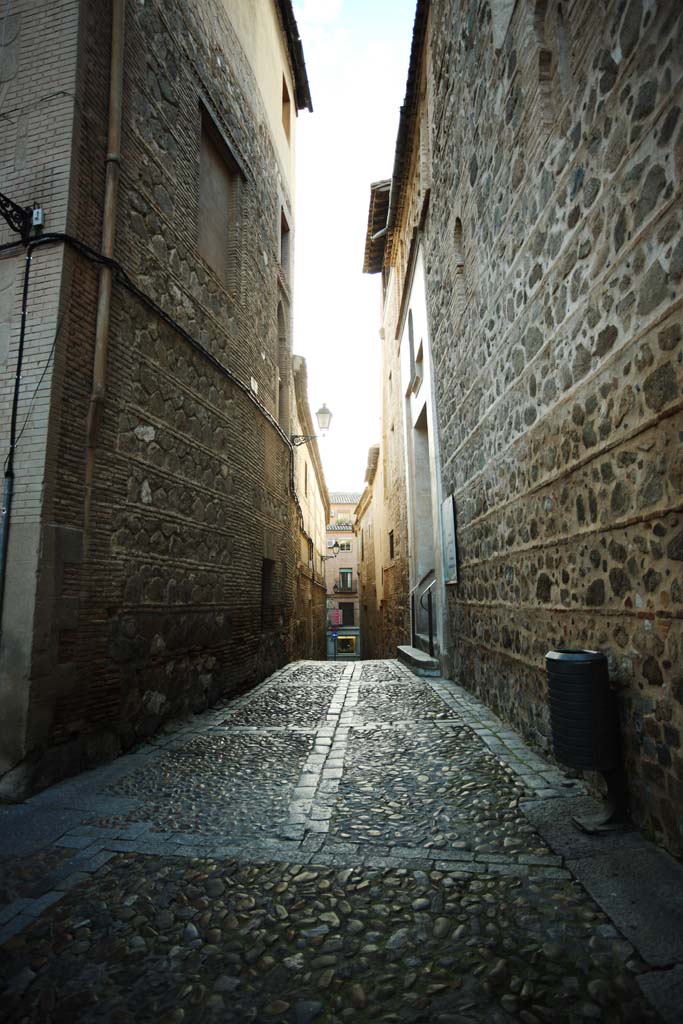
column 344, row 842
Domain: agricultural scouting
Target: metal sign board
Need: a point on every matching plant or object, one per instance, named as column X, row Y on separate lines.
column 450, row 550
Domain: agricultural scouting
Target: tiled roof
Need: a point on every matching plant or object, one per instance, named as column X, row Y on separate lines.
column 344, row 498
column 339, row 527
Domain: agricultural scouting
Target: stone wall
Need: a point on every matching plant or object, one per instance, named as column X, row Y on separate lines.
column 161, row 605
column 557, row 174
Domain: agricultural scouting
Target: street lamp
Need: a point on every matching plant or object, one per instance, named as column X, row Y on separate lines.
column 324, row 417
column 335, row 549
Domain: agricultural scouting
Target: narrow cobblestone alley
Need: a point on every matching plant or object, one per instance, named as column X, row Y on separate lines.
column 345, row 842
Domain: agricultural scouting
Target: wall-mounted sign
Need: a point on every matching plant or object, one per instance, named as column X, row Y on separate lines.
column 450, row 551
column 336, row 617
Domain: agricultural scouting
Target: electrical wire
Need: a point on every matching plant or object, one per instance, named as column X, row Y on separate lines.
column 42, row 378
column 123, row 278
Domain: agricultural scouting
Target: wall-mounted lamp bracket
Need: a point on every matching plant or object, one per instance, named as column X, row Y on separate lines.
column 298, row 439
column 18, row 218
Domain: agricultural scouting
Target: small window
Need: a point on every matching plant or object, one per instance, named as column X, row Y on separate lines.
column 345, row 545
column 545, row 65
column 284, row 245
column 459, row 268
column 267, row 594
column 286, row 109
column 564, row 59
column 419, row 370
column 391, row 543
column 346, row 645
column 310, row 554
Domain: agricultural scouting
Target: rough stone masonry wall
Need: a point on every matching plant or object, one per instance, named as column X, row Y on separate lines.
column 158, row 610
column 559, row 385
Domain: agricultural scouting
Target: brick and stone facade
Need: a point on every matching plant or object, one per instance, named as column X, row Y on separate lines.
column 184, row 583
column 553, row 251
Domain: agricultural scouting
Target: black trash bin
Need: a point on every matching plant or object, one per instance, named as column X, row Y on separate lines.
column 585, row 725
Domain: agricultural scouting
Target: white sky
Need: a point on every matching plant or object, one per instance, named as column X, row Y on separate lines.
column 357, row 54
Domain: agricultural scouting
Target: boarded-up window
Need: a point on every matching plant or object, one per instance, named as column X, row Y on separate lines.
column 219, row 182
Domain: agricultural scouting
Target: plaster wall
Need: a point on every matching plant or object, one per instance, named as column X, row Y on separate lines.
column 257, row 26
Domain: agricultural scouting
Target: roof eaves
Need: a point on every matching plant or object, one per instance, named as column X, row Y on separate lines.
column 377, row 219
column 381, row 250
column 296, row 55
column 371, row 469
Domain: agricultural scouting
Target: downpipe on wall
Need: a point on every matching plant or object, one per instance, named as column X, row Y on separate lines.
column 97, row 395
column 103, row 305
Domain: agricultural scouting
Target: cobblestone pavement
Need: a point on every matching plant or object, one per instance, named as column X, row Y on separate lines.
column 344, row 843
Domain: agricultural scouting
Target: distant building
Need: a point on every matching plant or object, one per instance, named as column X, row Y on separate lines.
column 154, row 558
column 341, row 573
column 310, row 610
column 370, row 567
column 530, row 247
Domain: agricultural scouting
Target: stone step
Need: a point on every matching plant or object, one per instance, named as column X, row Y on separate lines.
column 417, row 661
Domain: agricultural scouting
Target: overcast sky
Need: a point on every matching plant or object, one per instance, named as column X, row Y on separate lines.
column 357, row 54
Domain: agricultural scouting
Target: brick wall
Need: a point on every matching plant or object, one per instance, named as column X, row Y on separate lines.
column 37, row 87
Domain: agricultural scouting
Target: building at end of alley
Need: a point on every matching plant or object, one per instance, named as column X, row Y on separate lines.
column 342, row 579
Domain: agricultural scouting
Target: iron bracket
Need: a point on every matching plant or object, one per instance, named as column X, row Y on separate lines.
column 19, row 218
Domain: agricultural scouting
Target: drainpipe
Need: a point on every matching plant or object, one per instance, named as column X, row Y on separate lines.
column 98, row 392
